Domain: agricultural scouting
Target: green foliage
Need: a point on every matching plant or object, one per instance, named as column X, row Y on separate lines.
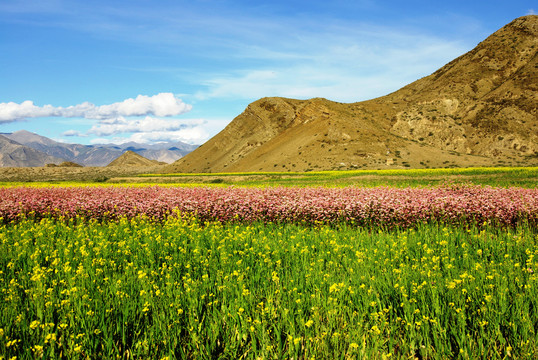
column 185, row 290
column 492, row 176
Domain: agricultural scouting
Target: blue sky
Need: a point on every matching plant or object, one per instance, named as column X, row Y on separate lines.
column 112, row 71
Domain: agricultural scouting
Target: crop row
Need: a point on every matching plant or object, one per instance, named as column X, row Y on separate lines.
column 352, row 205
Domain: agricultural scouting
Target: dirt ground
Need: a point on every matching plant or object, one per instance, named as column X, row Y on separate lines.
column 91, row 174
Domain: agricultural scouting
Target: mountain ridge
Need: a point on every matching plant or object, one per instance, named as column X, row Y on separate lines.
column 479, row 109
column 100, row 154
column 132, row 159
column 14, row 154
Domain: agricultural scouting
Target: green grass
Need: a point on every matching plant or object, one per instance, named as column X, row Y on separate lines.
column 493, row 176
column 136, row 289
column 485, row 176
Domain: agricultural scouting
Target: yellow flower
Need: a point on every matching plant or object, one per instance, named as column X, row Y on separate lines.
column 12, row 343
column 50, row 338
column 146, row 307
column 309, row 323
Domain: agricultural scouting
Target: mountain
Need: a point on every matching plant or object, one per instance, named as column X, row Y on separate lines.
column 479, row 109
column 131, row 159
column 69, row 164
column 13, row 154
column 100, row 155
column 167, row 152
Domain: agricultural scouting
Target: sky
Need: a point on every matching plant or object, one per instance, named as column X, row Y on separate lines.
column 107, row 71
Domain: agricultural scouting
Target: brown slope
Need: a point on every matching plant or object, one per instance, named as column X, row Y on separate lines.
column 484, row 102
column 69, row 164
column 480, row 109
column 132, row 159
column 13, row 154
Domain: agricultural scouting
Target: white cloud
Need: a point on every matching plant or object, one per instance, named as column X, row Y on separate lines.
column 195, row 135
column 338, row 60
column 12, row 111
column 359, row 65
column 248, row 52
column 121, row 125
column 531, row 12
column 72, row 133
column 163, row 104
column 147, row 130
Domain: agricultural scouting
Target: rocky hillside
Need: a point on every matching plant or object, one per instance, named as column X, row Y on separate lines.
column 100, row 155
column 480, row 109
column 14, row 154
column 132, row 159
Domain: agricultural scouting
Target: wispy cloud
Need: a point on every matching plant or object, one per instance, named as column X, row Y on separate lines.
column 235, row 52
column 352, row 67
column 147, row 130
column 70, row 133
column 531, row 12
column 163, row 104
column 148, row 124
column 193, row 135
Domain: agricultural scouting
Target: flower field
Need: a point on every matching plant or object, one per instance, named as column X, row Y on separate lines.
column 387, row 207
column 268, row 273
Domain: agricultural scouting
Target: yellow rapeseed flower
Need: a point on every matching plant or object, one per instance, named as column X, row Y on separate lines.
column 34, row 324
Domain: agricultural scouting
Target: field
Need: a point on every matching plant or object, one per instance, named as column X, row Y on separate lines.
column 492, row 176
column 168, row 272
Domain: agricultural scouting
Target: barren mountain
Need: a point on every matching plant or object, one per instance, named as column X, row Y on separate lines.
column 132, row 159
column 479, row 109
column 167, row 152
column 16, row 155
column 64, row 164
column 87, row 155
column 100, row 155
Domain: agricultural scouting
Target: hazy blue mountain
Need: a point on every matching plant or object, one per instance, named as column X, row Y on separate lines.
column 100, row 154
column 14, row 154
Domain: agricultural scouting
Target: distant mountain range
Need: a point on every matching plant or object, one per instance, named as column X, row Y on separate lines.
column 26, row 149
